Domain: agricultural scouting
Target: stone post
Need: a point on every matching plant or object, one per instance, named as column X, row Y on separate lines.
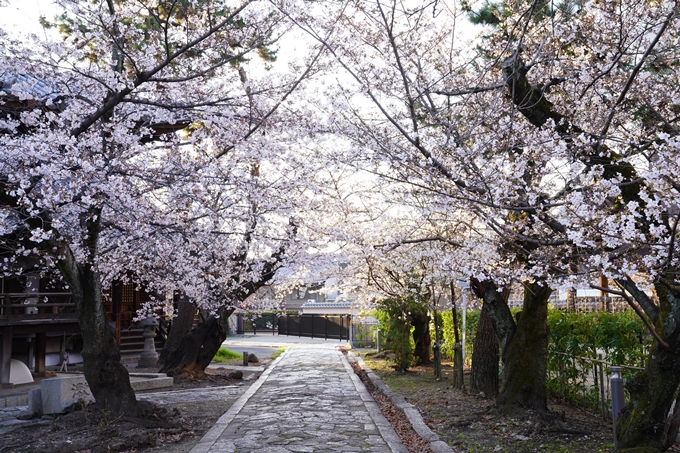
column 149, row 356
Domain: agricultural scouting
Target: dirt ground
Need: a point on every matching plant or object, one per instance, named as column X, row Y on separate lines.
column 469, row 423
column 167, row 428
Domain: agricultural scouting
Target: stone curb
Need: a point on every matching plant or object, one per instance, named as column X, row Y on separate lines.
column 386, row 430
column 14, row 400
column 210, row 438
column 411, row 412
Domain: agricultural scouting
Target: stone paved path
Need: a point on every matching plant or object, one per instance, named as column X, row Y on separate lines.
column 308, row 400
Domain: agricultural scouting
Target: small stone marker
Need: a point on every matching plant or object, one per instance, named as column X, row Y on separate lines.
column 252, row 358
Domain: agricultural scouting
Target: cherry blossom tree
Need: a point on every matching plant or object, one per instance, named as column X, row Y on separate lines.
column 132, row 145
column 557, row 134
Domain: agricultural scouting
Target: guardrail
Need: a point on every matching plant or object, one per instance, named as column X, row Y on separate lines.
column 17, row 307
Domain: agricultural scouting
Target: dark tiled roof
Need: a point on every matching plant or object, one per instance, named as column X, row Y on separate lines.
column 343, row 304
column 29, row 86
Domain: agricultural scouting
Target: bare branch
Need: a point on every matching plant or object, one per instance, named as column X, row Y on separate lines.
column 469, row 90
column 396, row 245
column 638, row 312
column 633, row 74
column 673, row 287
column 647, row 304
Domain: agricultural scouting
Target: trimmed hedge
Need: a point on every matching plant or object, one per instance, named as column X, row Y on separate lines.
column 621, row 338
column 471, row 322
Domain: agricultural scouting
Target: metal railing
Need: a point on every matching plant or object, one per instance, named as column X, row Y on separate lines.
column 596, row 376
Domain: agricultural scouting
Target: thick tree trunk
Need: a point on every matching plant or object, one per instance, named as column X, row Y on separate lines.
column 421, row 337
column 525, row 360
column 106, row 376
column 524, row 346
column 199, row 346
column 484, row 377
column 181, row 325
column 643, row 425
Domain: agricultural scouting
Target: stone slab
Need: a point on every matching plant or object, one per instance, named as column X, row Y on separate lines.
column 35, row 401
column 147, row 381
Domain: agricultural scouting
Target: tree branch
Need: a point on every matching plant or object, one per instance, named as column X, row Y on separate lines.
column 437, row 238
column 278, row 104
column 633, row 74
column 673, row 287
column 647, row 304
column 638, row 312
column 141, row 78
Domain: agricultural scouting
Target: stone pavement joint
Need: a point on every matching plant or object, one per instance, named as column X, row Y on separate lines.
column 307, row 400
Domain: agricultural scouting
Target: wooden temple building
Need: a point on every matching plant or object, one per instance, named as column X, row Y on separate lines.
column 38, row 323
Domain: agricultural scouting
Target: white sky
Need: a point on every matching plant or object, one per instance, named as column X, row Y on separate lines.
column 22, row 15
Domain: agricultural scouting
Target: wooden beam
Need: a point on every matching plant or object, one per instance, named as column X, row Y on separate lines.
column 40, row 352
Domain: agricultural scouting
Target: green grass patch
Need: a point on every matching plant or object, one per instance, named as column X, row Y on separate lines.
column 226, row 355
column 278, row 352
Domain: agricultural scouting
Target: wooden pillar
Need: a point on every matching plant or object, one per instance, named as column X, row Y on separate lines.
column 31, row 351
column 136, row 301
column 116, row 301
column 604, row 295
column 604, row 283
column 6, row 361
column 116, row 298
column 40, row 351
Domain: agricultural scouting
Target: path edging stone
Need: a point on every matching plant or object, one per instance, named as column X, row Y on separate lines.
column 386, row 430
column 411, row 412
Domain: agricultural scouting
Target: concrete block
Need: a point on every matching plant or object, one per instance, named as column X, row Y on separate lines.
column 56, row 394
column 59, row 393
column 35, row 404
column 154, row 382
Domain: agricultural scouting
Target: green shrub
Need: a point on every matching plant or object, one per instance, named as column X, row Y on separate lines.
column 471, row 322
column 621, row 338
column 393, row 319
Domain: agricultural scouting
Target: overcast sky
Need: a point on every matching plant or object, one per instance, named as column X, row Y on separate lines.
column 22, row 15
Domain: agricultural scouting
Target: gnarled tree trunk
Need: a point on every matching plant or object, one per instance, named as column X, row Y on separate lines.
column 526, row 357
column 524, row 345
column 198, row 347
column 179, row 327
column 484, row 377
column 643, row 425
column 106, row 376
